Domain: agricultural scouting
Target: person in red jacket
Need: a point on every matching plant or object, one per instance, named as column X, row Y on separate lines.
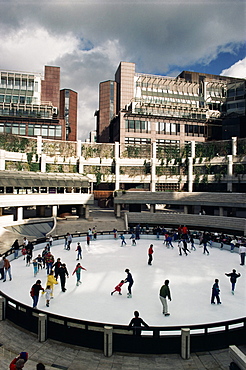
column 19, row 361
column 118, row 288
column 150, row 254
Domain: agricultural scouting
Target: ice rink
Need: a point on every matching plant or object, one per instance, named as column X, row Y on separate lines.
column 191, row 279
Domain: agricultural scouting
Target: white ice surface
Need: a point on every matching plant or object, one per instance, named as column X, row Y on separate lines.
column 191, row 279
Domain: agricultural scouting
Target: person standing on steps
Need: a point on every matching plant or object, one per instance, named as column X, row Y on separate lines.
column 215, row 292
column 164, row 294
column 130, row 282
column 150, row 254
column 233, row 279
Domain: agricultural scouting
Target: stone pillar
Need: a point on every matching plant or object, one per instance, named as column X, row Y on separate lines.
column 39, row 145
column 153, row 167
column 81, row 164
column 152, row 208
column 78, row 148
column 193, row 149
column 221, row 211
column 185, row 343
column 19, row 213
column 2, row 160
column 54, row 211
column 87, row 212
column 43, row 163
column 234, row 145
column 1, row 211
column 229, row 172
column 117, row 210
column 2, row 308
column 42, row 327
column 40, row 211
column 117, row 165
column 190, row 174
column 108, row 341
column 186, row 210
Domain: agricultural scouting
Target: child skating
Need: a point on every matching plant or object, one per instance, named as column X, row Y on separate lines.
column 48, row 292
column 78, row 270
column 118, row 288
column 35, row 267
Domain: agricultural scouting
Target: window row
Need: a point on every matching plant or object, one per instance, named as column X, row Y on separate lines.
column 33, row 130
column 18, row 99
column 137, row 126
column 195, row 130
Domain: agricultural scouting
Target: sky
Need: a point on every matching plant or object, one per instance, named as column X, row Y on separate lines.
column 88, row 39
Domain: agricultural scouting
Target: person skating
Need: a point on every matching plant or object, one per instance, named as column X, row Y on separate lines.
column 150, row 254
column 79, row 250
column 7, row 269
column 56, row 267
column 78, row 269
column 122, row 236
column 136, row 323
column 233, row 279
column 63, row 273
column 35, row 292
column 164, row 294
column 16, row 247
column 48, row 292
column 51, row 281
column 242, row 252
column 129, row 280
column 185, row 247
column 118, row 288
column 133, row 238
column 215, row 292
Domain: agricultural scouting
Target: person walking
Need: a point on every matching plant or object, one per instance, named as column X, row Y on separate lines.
column 215, row 292
column 7, row 269
column 130, row 282
column 164, row 294
column 242, row 252
column 79, row 250
column 78, row 269
column 16, row 247
column 137, row 323
column 35, row 292
column 233, row 279
column 63, row 273
column 118, row 288
column 150, row 254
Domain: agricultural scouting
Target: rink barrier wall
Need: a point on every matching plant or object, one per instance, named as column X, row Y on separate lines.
column 154, row 340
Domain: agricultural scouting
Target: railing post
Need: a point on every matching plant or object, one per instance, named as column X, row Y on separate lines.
column 185, row 343
column 42, row 327
column 2, row 308
column 108, row 341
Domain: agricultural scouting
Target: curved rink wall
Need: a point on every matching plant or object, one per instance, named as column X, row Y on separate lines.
column 155, row 340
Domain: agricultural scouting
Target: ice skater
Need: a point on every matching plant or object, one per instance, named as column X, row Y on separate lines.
column 79, row 250
column 63, row 273
column 115, row 233
column 133, row 238
column 35, row 267
column 35, row 292
column 150, row 254
column 118, row 288
column 122, row 236
column 40, row 262
column 129, row 280
column 48, row 292
column 51, row 281
column 168, row 241
column 215, row 292
column 233, row 279
column 192, row 243
column 78, row 269
column 7, row 269
column 185, row 247
column 164, row 294
column 136, row 323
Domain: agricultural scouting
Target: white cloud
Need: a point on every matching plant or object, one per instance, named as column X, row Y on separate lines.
column 236, row 70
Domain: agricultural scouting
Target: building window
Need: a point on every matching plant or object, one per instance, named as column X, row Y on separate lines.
column 137, row 126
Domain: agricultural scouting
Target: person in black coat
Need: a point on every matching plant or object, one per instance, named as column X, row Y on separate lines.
column 136, row 323
column 62, row 272
column 233, row 279
column 216, row 292
column 129, row 280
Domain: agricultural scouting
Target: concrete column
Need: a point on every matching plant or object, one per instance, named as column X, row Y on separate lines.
column 40, row 211
column 54, row 211
column 19, row 213
column 186, row 210
column 229, row 172
column 2, row 308
column 190, row 174
column 153, row 167
column 193, row 149
column 42, row 327
column 78, row 148
column 87, row 212
column 2, row 160
column 221, row 211
column 234, row 145
column 43, row 163
column 117, row 210
column 185, row 343
column 39, row 145
column 1, row 211
column 81, row 164
column 117, row 164
column 108, row 341
column 152, row 208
